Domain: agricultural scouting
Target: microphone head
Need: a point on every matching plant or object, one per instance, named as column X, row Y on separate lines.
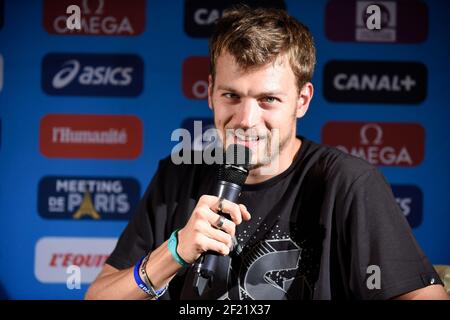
column 238, row 155
column 236, row 164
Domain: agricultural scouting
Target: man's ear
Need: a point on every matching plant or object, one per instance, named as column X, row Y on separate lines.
column 210, row 91
column 304, row 99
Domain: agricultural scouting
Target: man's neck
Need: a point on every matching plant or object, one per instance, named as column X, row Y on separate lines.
column 284, row 160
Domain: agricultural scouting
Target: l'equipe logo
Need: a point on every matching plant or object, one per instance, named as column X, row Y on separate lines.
column 54, row 255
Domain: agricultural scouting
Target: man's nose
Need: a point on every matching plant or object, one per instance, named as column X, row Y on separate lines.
column 248, row 113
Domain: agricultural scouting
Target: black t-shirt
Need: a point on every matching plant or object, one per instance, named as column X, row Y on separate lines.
column 328, row 227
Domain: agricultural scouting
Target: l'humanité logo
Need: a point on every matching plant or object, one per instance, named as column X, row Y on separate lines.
column 90, row 136
column 97, row 198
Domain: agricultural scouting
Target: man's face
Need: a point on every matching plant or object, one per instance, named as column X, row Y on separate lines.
column 257, row 108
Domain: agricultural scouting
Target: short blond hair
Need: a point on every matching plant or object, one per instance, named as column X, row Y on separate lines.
column 255, row 37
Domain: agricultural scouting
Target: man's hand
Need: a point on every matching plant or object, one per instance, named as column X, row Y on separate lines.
column 201, row 233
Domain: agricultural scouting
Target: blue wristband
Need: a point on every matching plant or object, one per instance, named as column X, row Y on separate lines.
column 172, row 244
column 150, row 291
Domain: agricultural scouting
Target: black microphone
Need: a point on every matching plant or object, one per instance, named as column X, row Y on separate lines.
column 231, row 176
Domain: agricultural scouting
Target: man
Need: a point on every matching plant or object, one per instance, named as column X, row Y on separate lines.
column 317, row 225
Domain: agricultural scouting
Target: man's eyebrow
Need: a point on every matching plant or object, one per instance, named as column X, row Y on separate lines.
column 271, row 93
column 226, row 88
column 261, row 94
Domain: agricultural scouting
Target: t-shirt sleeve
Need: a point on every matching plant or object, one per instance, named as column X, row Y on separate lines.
column 139, row 236
column 382, row 243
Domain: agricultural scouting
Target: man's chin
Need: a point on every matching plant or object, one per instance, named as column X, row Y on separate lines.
column 259, row 163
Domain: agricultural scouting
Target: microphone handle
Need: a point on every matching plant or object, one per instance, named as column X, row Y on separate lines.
column 228, row 191
column 206, row 264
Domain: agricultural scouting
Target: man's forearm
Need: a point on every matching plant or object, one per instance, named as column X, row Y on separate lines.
column 120, row 284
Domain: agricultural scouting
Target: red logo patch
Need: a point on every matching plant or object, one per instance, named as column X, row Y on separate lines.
column 195, row 77
column 386, row 144
column 90, row 136
column 110, row 18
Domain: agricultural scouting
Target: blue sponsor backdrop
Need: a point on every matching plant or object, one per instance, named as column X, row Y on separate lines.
column 410, row 200
column 156, row 96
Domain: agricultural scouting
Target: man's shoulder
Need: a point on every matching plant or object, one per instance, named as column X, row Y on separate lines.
column 337, row 164
column 344, row 175
column 192, row 162
column 178, row 180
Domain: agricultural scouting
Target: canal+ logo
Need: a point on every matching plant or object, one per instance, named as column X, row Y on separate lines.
column 200, row 16
column 396, row 82
column 92, row 74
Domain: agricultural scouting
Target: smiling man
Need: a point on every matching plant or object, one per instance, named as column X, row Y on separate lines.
column 259, row 107
column 320, row 224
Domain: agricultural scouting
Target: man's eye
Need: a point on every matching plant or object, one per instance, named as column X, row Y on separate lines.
column 230, row 95
column 270, row 99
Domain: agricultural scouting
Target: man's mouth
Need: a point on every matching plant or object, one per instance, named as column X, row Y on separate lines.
column 249, row 141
